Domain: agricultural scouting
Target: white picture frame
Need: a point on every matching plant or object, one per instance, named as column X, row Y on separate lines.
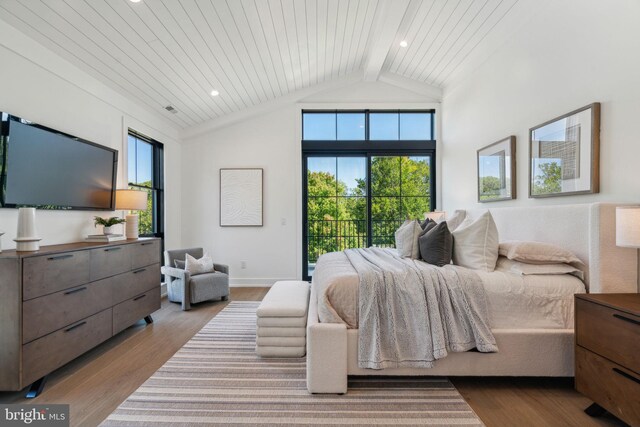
column 241, row 197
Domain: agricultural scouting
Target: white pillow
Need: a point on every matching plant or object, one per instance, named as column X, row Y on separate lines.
column 537, row 253
column 407, row 239
column 524, row 269
column 198, row 266
column 475, row 243
column 456, row 220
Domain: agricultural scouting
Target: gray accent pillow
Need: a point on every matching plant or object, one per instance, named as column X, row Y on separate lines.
column 426, row 222
column 436, row 245
column 179, row 263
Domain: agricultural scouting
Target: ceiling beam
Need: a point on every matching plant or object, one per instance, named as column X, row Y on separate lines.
column 433, row 92
column 385, row 27
column 269, row 106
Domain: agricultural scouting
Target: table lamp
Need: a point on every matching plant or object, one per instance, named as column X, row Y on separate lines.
column 628, row 227
column 131, row 200
column 436, row 215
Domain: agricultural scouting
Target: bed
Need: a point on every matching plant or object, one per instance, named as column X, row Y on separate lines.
column 530, row 317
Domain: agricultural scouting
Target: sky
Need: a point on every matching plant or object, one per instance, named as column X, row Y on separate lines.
column 140, row 159
column 351, row 126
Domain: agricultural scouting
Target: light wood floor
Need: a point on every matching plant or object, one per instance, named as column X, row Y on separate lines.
column 97, row 382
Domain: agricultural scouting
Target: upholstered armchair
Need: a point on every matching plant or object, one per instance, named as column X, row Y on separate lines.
column 187, row 289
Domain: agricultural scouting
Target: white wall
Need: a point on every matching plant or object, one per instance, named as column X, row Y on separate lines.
column 270, row 141
column 40, row 86
column 569, row 54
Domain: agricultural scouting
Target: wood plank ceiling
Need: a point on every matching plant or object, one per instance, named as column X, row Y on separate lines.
column 175, row 52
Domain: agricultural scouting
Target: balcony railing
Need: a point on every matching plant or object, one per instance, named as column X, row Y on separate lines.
column 336, row 235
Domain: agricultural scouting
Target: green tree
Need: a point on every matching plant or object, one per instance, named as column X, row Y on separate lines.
column 549, row 180
column 489, row 187
column 400, row 187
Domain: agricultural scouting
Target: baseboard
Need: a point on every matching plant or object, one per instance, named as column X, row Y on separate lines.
column 252, row 283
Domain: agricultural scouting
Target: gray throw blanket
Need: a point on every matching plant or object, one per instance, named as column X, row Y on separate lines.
column 412, row 313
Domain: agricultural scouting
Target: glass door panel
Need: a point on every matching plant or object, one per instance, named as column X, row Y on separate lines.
column 336, row 205
column 400, row 189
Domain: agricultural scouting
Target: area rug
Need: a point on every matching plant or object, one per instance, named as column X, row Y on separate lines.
column 217, row 379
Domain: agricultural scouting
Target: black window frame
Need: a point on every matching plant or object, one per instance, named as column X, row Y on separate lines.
column 363, row 148
column 157, row 182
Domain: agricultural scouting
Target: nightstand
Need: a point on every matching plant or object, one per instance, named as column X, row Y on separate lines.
column 607, row 330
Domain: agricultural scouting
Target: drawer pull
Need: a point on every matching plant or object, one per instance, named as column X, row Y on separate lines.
column 112, row 249
column 71, row 328
column 73, row 291
column 145, row 244
column 55, row 258
column 626, row 319
column 139, row 271
column 139, row 297
column 624, row 374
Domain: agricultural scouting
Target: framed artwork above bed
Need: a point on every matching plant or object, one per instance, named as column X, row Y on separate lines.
column 564, row 154
column 497, row 171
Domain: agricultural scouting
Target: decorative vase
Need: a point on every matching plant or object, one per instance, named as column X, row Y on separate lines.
column 107, row 231
column 27, row 239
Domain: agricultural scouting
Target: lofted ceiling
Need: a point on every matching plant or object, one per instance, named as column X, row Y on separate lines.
column 175, row 52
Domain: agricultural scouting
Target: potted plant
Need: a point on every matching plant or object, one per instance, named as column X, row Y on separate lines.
column 107, row 223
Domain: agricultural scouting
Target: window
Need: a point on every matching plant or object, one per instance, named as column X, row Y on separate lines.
column 145, row 173
column 373, row 170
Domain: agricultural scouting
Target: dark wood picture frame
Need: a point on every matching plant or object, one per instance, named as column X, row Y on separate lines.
column 579, row 144
column 508, row 146
column 241, row 191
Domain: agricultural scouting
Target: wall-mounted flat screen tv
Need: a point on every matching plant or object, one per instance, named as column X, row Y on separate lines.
column 44, row 168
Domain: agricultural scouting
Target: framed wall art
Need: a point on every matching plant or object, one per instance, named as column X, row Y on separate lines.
column 241, row 198
column 497, row 171
column 564, row 154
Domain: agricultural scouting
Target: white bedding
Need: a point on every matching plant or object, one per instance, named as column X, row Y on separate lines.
column 515, row 302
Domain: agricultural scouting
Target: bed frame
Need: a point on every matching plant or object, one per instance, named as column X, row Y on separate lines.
column 588, row 230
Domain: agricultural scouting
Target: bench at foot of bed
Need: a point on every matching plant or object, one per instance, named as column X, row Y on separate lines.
column 282, row 320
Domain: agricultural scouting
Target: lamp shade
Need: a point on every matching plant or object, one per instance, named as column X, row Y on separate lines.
column 628, row 226
column 435, row 215
column 131, row 200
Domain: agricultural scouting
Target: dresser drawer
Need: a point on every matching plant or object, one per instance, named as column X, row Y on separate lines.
column 136, row 282
column 48, row 313
column 51, row 273
column 145, row 253
column 608, row 332
column 48, row 353
column 109, row 261
column 614, row 388
column 128, row 312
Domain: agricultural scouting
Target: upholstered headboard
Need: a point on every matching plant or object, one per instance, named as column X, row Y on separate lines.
column 588, row 230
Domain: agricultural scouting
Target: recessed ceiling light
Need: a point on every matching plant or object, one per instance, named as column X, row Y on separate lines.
column 134, row 1
column 404, row 43
column 215, row 93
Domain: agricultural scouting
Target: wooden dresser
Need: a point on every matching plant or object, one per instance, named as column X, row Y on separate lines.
column 608, row 353
column 63, row 300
